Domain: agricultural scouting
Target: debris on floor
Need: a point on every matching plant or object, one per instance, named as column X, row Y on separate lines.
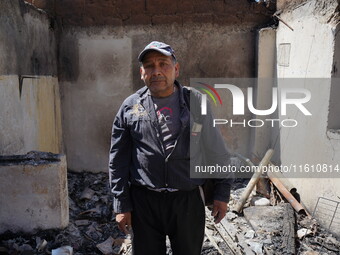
column 91, row 229
column 268, row 229
column 65, row 250
column 261, row 229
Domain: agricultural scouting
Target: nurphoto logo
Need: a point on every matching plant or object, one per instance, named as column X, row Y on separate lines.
column 296, row 97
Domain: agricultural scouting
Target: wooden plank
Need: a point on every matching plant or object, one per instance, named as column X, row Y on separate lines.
column 230, row 242
column 229, row 239
column 230, row 229
column 212, row 240
column 288, row 238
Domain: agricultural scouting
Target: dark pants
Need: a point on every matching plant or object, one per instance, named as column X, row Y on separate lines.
column 180, row 215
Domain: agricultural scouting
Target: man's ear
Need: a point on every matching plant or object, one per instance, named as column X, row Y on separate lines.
column 141, row 73
column 177, row 70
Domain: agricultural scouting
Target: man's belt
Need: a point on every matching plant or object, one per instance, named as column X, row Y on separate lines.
column 163, row 189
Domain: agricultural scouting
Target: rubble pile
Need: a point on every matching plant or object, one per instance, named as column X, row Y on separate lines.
column 314, row 239
column 92, row 226
column 261, row 229
column 242, row 239
column 265, row 229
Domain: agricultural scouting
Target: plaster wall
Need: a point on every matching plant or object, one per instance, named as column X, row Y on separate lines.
column 311, row 60
column 263, row 137
column 99, row 69
column 30, row 117
column 32, row 120
column 29, row 200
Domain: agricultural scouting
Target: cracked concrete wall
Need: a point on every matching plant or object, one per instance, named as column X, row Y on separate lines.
column 30, row 117
column 313, row 45
column 99, row 69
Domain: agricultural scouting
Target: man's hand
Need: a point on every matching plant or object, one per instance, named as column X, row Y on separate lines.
column 219, row 210
column 124, row 221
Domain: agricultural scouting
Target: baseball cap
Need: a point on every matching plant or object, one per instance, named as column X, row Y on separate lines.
column 161, row 47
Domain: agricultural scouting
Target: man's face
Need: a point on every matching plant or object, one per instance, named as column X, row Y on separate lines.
column 159, row 73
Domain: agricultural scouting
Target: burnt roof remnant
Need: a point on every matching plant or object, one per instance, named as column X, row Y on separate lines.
column 31, row 158
column 130, row 12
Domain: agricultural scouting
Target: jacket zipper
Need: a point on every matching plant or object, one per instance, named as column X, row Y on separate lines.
column 156, row 127
column 167, row 158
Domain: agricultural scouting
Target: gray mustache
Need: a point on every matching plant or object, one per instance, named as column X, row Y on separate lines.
column 157, row 79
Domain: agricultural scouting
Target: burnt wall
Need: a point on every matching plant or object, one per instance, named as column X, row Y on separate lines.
column 30, row 117
column 97, row 62
column 153, row 12
column 99, row 69
column 28, row 45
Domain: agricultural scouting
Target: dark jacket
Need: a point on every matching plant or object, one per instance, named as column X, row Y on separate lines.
column 137, row 155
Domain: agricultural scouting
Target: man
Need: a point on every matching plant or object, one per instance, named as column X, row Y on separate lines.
column 150, row 161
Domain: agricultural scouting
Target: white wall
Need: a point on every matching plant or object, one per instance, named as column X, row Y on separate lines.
column 312, row 47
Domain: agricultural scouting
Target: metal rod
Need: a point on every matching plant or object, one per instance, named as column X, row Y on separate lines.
column 333, row 215
column 316, row 206
column 290, row 198
column 283, row 22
